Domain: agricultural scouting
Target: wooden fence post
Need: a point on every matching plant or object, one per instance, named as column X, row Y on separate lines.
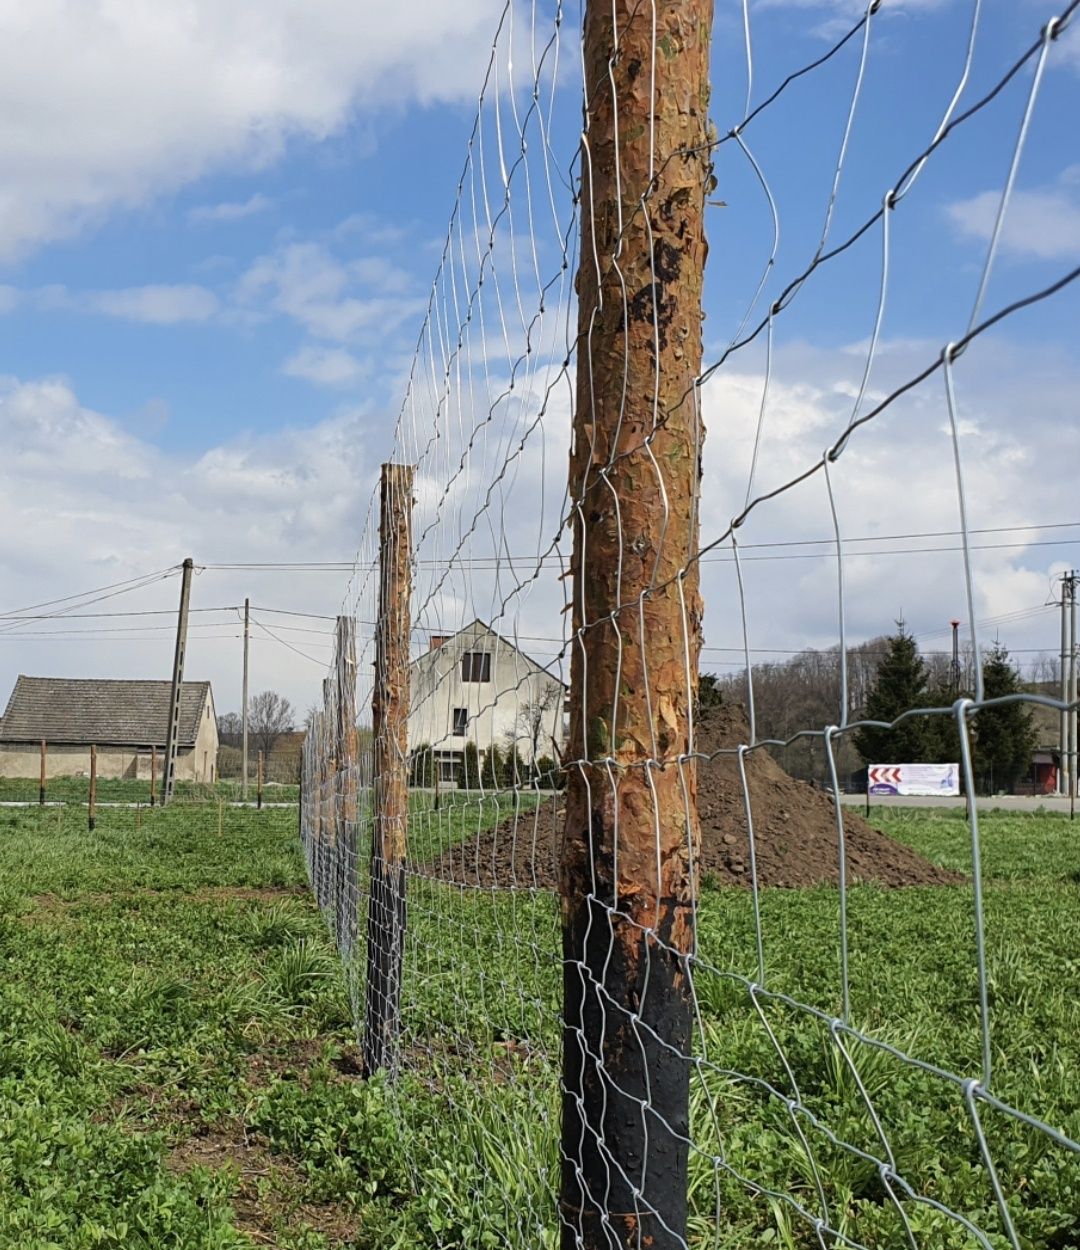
column 390, row 712
column 91, row 810
column 347, row 890
column 259, row 784
column 153, row 774
column 41, row 780
column 632, row 831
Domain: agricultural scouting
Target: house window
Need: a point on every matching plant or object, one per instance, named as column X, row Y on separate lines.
column 461, row 721
column 475, row 666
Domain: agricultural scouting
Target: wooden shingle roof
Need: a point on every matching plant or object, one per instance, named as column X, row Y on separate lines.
column 81, row 711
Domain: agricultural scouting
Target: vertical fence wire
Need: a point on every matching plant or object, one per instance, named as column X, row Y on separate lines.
column 609, row 1026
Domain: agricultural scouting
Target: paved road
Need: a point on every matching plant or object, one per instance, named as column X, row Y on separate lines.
column 1006, row 802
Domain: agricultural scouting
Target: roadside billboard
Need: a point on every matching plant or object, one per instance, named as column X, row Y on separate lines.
column 914, row 779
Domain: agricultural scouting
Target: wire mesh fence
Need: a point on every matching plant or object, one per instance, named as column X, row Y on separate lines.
column 667, row 995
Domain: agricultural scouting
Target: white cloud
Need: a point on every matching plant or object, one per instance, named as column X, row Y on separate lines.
column 112, row 102
column 325, row 366
column 83, row 502
column 332, row 299
column 231, row 211
column 1044, row 222
column 156, row 304
column 895, row 477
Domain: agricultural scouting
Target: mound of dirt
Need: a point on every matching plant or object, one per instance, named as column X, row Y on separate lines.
column 795, row 836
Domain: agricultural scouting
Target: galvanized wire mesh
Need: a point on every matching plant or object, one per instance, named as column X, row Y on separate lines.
column 831, row 1100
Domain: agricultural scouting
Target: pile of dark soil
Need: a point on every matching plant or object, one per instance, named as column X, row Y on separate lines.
column 795, row 836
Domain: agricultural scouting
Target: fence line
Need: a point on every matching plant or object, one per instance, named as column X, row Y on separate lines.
column 628, row 1054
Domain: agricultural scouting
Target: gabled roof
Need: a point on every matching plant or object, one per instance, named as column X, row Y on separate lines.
column 477, row 631
column 85, row 711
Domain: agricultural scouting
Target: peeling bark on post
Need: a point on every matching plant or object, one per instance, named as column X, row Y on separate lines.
column 631, row 825
column 345, row 677
column 390, row 712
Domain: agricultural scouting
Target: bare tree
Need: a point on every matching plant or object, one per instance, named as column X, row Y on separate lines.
column 531, row 723
column 230, row 728
column 269, row 716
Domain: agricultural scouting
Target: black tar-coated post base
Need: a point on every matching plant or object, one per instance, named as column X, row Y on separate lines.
column 386, row 944
column 625, row 1129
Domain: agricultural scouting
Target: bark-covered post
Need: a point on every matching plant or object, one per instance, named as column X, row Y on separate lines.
column 41, row 779
column 631, row 827
column 91, row 806
column 347, row 757
column 389, row 711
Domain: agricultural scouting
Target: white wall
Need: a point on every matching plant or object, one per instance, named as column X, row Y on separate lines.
column 17, row 760
column 436, row 688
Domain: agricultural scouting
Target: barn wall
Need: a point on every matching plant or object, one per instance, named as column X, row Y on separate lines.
column 17, row 760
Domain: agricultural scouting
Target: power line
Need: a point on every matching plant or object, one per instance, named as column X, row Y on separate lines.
column 285, row 643
column 493, row 561
column 145, row 577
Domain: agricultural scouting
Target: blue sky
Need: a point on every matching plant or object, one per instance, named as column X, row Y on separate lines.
column 217, row 242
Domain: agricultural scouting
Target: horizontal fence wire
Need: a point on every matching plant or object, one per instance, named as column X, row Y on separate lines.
column 663, row 991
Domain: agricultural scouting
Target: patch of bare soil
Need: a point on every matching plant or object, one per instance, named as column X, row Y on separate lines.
column 265, row 1199
column 795, row 832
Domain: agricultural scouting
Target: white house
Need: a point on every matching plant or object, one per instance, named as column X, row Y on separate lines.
column 475, row 686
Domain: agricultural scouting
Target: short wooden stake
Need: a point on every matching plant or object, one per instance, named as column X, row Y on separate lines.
column 92, row 805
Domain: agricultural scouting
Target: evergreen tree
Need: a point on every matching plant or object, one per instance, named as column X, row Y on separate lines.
column 422, row 766
column 468, row 772
column 899, row 685
column 1004, row 737
column 942, row 733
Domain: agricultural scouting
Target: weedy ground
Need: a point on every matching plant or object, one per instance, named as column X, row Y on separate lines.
column 178, row 1065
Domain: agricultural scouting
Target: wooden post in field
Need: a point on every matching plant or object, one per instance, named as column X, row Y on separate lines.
column 435, row 768
column 259, row 784
column 41, row 779
column 91, row 807
column 632, row 831
column 153, row 775
column 390, row 712
column 346, row 753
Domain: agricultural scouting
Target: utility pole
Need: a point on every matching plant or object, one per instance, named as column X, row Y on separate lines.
column 1067, row 731
column 172, row 733
column 632, row 831
column 1073, row 684
column 244, row 713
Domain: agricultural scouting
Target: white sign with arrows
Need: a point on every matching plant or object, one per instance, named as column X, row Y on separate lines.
column 915, row 779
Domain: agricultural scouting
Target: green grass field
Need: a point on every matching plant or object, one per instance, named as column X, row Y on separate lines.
column 178, row 1067
column 130, row 790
